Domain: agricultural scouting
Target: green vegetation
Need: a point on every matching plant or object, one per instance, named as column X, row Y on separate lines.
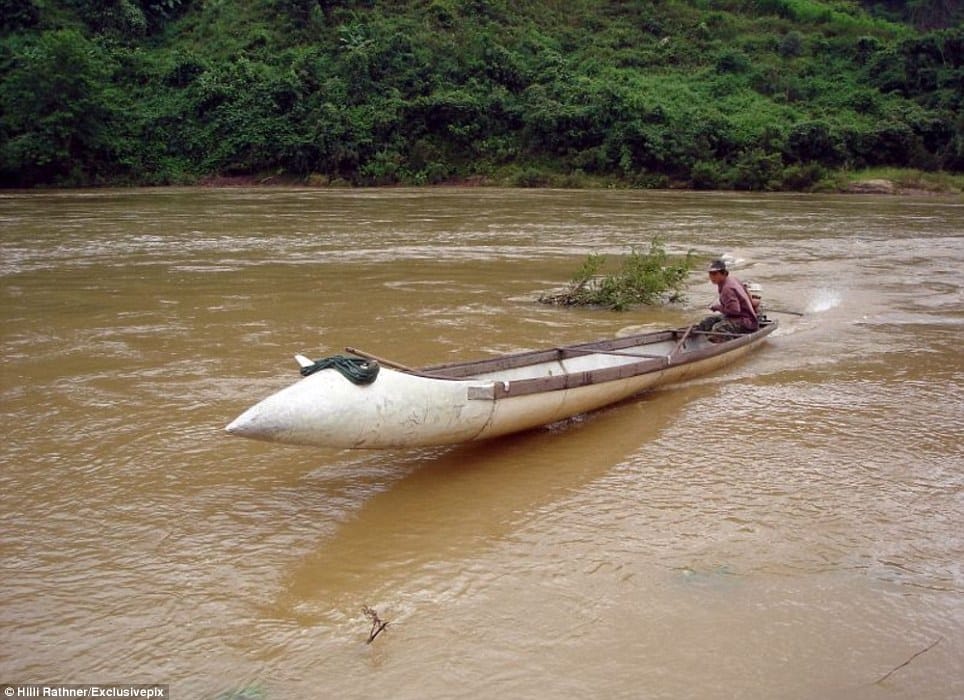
column 714, row 94
column 642, row 278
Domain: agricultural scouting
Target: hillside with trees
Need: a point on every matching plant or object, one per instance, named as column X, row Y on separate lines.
column 713, row 94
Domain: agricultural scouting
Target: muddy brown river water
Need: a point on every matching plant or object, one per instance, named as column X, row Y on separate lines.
column 790, row 527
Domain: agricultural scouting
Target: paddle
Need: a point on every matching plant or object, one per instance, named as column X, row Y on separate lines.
column 784, row 311
column 682, row 340
column 380, row 360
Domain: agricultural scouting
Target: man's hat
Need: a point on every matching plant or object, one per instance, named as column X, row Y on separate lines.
column 717, row 266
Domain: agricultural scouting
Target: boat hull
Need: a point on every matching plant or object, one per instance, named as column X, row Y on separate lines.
column 512, row 415
column 397, row 410
column 437, row 406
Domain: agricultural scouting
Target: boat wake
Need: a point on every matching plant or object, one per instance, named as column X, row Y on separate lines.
column 825, row 300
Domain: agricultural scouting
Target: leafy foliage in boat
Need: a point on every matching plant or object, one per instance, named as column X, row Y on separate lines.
column 642, row 278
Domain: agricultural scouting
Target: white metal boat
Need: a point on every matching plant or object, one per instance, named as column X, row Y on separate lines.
column 444, row 404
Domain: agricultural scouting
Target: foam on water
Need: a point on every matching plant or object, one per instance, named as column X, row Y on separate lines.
column 824, row 300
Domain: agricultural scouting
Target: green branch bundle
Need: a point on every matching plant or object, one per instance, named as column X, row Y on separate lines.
column 642, row 278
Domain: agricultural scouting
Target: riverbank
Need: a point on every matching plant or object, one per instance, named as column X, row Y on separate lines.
column 881, row 181
column 899, row 181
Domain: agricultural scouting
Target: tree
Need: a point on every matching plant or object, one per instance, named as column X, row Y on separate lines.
column 813, row 141
column 16, row 15
column 55, row 124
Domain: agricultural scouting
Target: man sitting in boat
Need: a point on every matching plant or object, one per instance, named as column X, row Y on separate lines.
column 736, row 313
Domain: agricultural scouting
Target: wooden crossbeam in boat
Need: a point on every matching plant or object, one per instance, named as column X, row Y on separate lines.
column 588, row 351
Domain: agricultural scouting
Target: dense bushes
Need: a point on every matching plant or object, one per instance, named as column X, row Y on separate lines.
column 62, row 121
column 721, row 94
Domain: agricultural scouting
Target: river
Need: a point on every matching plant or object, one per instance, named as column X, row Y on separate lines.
column 789, row 527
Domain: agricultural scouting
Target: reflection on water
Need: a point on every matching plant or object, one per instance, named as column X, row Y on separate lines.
column 457, row 501
column 790, row 526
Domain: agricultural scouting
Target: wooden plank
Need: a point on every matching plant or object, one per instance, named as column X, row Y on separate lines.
column 573, row 352
column 523, row 387
column 494, row 364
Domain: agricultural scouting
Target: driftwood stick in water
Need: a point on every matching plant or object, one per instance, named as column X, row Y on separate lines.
column 377, row 624
column 897, row 668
